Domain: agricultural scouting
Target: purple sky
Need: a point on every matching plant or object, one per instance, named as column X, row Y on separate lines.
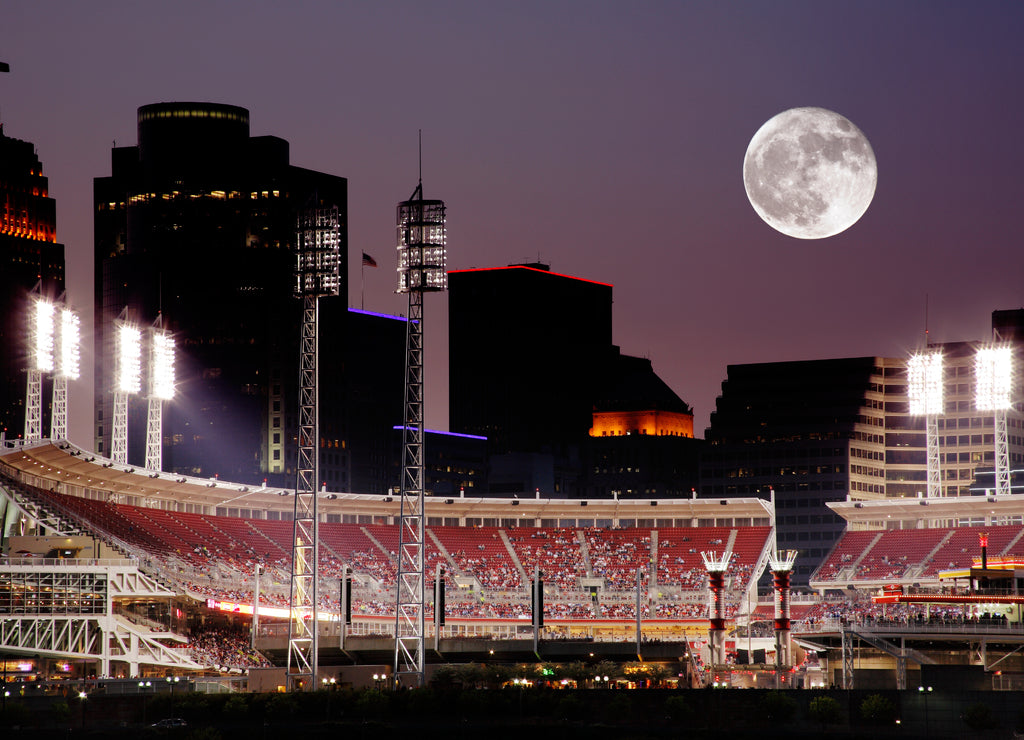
column 605, row 138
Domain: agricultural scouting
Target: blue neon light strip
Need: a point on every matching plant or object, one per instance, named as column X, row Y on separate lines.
column 447, row 434
column 374, row 313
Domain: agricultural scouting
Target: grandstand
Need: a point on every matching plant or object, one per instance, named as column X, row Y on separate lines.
column 204, row 539
column 908, row 542
column 197, row 542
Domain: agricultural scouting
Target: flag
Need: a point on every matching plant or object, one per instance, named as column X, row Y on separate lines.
column 368, row 261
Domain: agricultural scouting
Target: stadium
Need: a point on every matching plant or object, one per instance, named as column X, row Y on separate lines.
column 112, row 572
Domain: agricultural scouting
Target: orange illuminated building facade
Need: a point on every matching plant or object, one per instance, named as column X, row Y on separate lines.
column 652, row 421
column 29, row 254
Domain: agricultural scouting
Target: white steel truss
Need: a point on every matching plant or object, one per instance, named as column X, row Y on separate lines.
column 154, row 434
column 119, row 433
column 86, row 627
column 34, row 406
column 104, row 639
column 931, row 426
column 59, row 420
column 1002, row 454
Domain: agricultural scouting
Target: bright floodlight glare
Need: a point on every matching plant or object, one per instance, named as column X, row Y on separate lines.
column 70, row 340
column 993, row 367
column 129, row 352
column 43, row 336
column 924, row 381
column 163, row 365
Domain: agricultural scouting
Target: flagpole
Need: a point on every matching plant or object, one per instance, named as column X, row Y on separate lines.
column 362, row 284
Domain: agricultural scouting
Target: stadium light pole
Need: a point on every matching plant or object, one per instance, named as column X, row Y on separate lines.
column 161, row 388
column 925, row 394
column 68, row 367
column 128, row 380
column 993, row 376
column 318, row 252
column 421, row 268
column 41, row 331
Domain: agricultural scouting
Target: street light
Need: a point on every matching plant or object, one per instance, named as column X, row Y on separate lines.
column 81, row 697
column 925, row 691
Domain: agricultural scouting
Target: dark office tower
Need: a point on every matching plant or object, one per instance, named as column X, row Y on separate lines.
column 1008, row 325
column 197, row 223
column 29, row 253
column 814, row 431
column 529, row 350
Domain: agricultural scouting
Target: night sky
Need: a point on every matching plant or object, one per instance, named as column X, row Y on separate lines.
column 603, row 138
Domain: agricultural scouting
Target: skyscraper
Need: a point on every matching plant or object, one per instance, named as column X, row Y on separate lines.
column 29, row 254
column 197, row 223
column 841, row 429
column 527, row 352
column 532, row 368
column 813, row 431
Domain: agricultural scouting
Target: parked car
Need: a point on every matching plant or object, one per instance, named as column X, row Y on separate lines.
column 170, row 722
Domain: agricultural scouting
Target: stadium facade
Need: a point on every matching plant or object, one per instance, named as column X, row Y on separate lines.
column 139, row 550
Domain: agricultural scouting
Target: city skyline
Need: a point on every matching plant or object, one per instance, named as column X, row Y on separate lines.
column 603, row 139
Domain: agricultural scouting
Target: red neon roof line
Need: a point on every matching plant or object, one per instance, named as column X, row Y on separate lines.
column 524, row 267
column 946, row 599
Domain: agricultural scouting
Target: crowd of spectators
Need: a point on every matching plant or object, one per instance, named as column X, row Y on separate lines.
column 556, row 551
column 825, row 615
column 224, row 649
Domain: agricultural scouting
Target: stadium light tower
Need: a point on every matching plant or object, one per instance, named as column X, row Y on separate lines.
column 68, row 367
column 318, row 251
column 161, row 388
column 128, row 379
column 41, row 331
column 924, row 391
column 993, row 375
column 421, row 269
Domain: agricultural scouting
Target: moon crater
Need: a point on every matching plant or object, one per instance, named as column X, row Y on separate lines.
column 809, row 173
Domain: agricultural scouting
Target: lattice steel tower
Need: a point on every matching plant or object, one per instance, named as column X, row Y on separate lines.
column 41, row 331
column 925, row 395
column 161, row 388
column 318, row 247
column 68, row 367
column 421, row 269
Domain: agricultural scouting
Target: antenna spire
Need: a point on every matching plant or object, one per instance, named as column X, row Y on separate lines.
column 925, row 319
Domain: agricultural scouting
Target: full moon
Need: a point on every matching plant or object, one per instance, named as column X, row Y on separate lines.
column 809, row 173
